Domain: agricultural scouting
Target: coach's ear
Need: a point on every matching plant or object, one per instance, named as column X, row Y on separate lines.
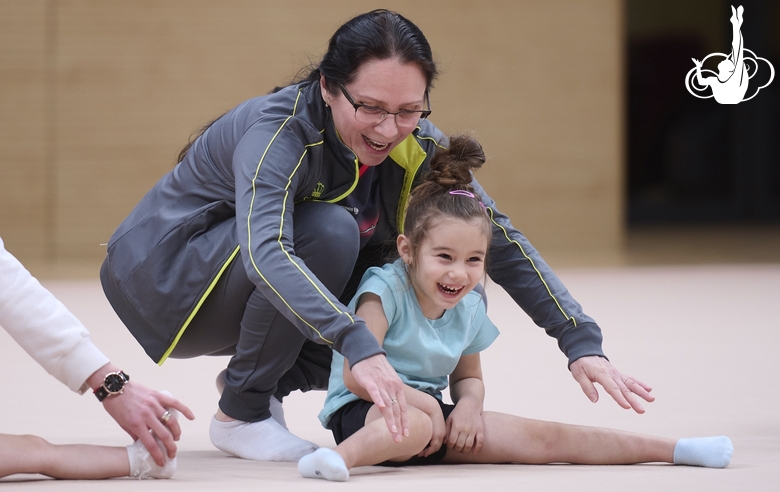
column 404, row 249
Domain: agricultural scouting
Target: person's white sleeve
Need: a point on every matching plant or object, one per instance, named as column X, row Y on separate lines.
column 44, row 327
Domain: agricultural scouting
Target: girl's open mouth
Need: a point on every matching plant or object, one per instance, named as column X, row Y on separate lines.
column 450, row 291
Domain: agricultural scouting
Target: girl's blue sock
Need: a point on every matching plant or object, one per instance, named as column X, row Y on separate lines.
column 712, row 452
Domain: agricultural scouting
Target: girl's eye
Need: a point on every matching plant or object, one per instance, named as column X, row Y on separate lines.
column 475, row 259
column 445, row 256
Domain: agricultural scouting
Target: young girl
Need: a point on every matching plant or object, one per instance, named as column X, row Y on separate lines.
column 426, row 313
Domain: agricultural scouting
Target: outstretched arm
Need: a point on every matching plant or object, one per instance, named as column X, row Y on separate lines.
column 517, row 267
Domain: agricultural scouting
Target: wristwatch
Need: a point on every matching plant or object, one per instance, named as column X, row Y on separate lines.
column 113, row 384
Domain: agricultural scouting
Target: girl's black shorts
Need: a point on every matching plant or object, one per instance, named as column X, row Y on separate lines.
column 352, row 417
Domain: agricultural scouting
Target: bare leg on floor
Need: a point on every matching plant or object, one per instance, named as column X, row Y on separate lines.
column 32, row 454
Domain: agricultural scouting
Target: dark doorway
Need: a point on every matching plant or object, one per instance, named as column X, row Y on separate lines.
column 695, row 161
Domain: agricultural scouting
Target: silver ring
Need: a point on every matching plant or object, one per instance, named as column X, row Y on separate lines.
column 165, row 417
column 393, row 401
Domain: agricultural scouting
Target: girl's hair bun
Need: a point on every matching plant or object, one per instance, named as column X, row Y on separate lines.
column 451, row 168
column 446, row 191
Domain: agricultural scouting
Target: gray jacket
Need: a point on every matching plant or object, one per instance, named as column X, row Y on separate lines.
column 233, row 196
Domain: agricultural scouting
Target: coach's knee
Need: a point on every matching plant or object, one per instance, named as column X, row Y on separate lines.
column 327, row 240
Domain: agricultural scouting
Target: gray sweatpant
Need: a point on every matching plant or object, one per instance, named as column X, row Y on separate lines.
column 269, row 355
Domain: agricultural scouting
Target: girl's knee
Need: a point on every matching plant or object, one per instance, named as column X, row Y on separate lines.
column 420, row 427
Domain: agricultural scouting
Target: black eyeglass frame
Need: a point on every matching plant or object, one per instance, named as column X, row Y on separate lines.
column 424, row 113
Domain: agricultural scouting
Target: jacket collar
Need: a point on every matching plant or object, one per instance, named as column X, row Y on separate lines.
column 345, row 158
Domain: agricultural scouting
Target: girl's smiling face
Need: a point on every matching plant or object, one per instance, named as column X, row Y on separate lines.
column 387, row 84
column 448, row 264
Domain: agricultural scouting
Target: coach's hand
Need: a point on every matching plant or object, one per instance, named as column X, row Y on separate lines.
column 386, row 390
column 623, row 389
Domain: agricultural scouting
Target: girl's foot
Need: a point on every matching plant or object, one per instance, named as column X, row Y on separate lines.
column 712, row 452
column 324, row 463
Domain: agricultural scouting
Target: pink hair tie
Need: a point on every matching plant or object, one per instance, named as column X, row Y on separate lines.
column 462, row 192
column 468, row 194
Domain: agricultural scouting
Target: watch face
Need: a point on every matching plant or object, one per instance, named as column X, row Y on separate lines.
column 114, row 383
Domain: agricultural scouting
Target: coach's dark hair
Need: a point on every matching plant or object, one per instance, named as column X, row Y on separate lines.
column 377, row 35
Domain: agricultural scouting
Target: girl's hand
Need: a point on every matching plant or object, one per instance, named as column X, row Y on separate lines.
column 465, row 427
column 439, row 431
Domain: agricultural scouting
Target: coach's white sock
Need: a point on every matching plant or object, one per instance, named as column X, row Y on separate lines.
column 324, row 463
column 277, row 412
column 266, row 440
column 712, row 452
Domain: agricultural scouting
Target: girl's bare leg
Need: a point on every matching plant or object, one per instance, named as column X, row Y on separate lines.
column 374, row 444
column 370, row 445
column 32, row 454
column 512, row 439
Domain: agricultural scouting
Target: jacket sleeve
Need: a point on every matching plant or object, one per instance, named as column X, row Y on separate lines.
column 516, row 266
column 44, row 327
column 269, row 163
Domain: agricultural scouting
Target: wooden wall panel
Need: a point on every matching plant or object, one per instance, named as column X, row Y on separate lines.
column 24, row 176
column 539, row 83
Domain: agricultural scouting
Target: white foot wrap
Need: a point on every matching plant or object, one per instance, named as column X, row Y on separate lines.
column 142, row 464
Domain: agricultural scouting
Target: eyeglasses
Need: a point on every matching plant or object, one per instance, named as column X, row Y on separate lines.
column 374, row 115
